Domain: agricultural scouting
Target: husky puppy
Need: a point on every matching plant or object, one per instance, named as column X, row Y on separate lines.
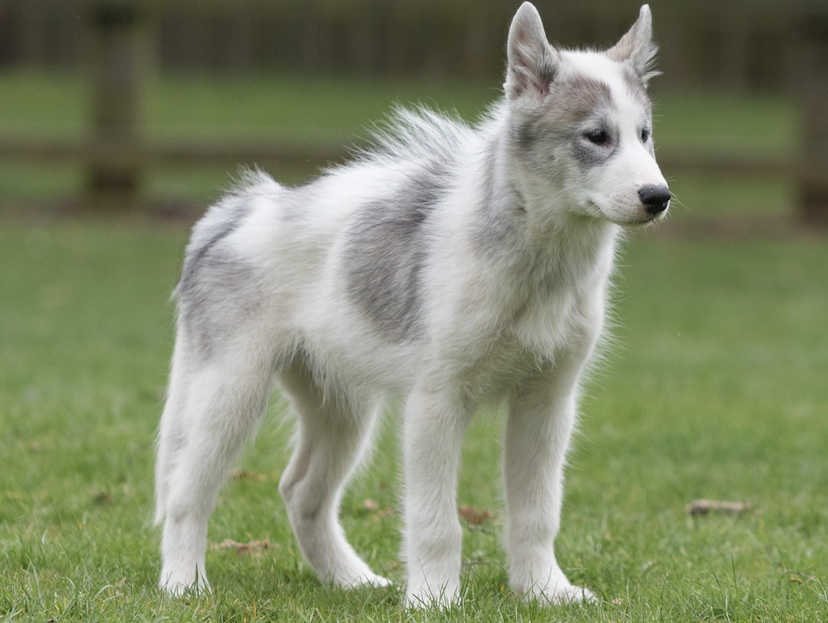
column 449, row 266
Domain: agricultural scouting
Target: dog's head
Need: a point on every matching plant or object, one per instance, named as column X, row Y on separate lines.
column 581, row 122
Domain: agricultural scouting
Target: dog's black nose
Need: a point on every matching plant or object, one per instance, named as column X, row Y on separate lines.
column 655, row 198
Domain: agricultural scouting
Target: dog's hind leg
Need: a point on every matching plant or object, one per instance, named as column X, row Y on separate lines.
column 170, row 433
column 330, row 440
column 226, row 397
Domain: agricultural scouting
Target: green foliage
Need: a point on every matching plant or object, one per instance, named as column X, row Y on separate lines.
column 713, row 387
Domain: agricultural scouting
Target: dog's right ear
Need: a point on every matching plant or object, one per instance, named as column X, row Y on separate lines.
column 637, row 47
column 532, row 62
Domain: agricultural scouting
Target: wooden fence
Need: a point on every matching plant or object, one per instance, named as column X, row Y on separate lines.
column 116, row 155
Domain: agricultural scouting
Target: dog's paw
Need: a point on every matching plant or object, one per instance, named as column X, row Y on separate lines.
column 377, row 581
column 562, row 593
column 421, row 599
column 571, row 594
column 177, row 585
column 365, row 580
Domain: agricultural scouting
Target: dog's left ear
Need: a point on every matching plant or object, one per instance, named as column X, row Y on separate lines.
column 637, row 46
column 531, row 61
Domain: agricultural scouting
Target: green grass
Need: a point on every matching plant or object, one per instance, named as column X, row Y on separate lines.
column 715, row 387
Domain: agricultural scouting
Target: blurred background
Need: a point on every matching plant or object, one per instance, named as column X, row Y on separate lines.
column 143, row 106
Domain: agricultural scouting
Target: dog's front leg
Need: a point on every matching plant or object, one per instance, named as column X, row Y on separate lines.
column 540, row 422
column 433, row 431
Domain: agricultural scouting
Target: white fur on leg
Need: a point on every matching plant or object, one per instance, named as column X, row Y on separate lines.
column 331, row 441
column 170, row 435
column 540, row 424
column 227, row 399
column 433, row 537
column 183, row 545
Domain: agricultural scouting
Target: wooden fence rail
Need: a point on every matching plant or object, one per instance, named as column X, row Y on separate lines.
column 196, row 153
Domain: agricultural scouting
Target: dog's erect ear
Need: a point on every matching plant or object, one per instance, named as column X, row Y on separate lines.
column 531, row 60
column 637, row 47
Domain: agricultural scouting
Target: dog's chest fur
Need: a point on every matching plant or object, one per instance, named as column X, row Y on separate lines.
column 555, row 306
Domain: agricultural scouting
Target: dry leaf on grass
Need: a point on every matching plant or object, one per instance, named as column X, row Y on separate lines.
column 373, row 507
column 102, row 498
column 704, row 507
column 474, row 515
column 254, row 548
column 242, row 474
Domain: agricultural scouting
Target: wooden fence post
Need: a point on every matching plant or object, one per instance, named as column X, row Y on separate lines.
column 115, row 162
column 812, row 93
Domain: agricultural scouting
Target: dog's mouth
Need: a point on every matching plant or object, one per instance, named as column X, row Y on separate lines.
column 647, row 220
column 637, row 218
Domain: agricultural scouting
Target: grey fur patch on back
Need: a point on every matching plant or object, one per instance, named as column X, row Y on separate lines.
column 195, row 257
column 385, row 252
column 217, row 300
column 217, row 289
column 222, row 219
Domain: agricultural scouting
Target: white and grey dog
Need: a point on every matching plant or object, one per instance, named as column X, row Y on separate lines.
column 449, row 266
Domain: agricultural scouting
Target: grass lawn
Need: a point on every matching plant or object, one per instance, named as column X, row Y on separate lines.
column 715, row 388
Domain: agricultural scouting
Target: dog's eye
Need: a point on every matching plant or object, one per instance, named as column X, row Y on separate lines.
column 597, row 137
column 645, row 135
